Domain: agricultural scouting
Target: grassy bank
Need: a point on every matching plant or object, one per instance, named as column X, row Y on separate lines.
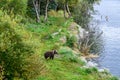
column 42, row 37
column 66, row 65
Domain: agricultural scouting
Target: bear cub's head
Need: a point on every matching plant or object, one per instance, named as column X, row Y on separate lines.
column 55, row 51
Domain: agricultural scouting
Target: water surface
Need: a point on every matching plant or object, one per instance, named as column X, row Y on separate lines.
column 110, row 58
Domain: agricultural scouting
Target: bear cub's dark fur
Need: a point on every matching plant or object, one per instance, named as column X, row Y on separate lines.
column 50, row 54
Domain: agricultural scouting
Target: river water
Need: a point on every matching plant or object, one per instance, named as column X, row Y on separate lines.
column 109, row 16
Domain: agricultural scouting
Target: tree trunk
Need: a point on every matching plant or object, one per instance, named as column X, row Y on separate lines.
column 46, row 10
column 36, row 6
column 39, row 1
column 68, row 10
column 65, row 11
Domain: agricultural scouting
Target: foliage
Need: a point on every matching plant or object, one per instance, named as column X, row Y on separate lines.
column 71, row 40
column 82, row 13
column 9, row 5
column 1, row 73
column 90, row 70
column 31, row 10
column 71, row 3
column 114, row 78
column 68, row 55
column 16, row 57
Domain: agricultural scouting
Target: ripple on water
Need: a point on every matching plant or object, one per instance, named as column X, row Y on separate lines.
column 111, row 54
column 110, row 58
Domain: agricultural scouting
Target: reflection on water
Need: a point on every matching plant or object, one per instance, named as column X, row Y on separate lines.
column 111, row 56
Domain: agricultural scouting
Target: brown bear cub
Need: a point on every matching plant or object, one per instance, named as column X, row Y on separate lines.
column 50, row 54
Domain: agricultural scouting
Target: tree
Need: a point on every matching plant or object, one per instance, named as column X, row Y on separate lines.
column 46, row 10
column 82, row 12
column 67, row 6
column 36, row 4
column 36, row 8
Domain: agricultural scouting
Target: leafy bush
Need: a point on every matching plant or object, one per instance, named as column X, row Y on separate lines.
column 81, row 15
column 9, row 5
column 53, row 13
column 68, row 55
column 90, row 70
column 59, row 21
column 114, row 78
column 1, row 73
column 17, row 58
column 71, row 40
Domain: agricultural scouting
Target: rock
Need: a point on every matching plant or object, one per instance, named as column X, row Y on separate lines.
column 73, row 26
column 88, row 64
column 82, row 34
column 90, row 56
column 73, row 29
column 103, row 69
column 91, row 64
column 83, row 59
column 56, row 33
column 63, row 39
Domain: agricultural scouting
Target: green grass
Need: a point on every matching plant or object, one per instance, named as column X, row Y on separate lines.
column 64, row 70
column 66, row 66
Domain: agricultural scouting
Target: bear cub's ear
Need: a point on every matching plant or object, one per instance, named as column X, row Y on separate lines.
column 55, row 51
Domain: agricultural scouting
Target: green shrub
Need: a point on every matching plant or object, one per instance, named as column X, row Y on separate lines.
column 68, row 55
column 59, row 21
column 90, row 70
column 1, row 73
column 9, row 5
column 71, row 40
column 114, row 78
column 74, row 59
column 12, row 51
column 17, row 58
column 81, row 71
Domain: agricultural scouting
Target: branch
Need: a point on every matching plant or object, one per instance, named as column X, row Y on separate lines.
column 96, row 39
